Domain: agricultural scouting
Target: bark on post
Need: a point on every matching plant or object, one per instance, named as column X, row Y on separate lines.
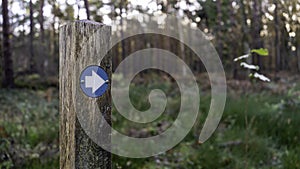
column 77, row 150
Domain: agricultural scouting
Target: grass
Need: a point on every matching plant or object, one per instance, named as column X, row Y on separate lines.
column 269, row 139
column 29, row 125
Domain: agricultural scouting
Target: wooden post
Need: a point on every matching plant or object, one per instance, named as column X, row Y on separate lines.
column 81, row 44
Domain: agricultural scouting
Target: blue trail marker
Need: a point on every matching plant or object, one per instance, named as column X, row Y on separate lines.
column 94, row 81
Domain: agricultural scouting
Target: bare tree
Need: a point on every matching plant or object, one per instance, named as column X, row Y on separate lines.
column 277, row 37
column 121, row 5
column 256, row 27
column 86, row 5
column 31, row 57
column 298, row 49
column 232, row 39
column 219, row 28
column 41, row 20
column 8, row 74
column 43, row 51
column 245, row 27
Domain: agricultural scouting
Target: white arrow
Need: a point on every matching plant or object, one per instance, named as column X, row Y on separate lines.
column 94, row 82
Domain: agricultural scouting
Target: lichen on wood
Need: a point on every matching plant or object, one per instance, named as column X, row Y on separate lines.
column 81, row 44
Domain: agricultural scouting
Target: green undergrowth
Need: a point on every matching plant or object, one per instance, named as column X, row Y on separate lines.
column 28, row 129
column 258, row 130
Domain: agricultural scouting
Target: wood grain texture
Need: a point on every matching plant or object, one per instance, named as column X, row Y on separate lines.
column 82, row 43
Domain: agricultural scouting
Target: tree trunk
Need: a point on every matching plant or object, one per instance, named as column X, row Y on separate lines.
column 219, row 28
column 86, row 5
column 122, row 32
column 83, row 43
column 298, row 50
column 8, row 74
column 256, row 27
column 298, row 56
column 41, row 20
column 32, row 65
column 245, row 27
column 285, row 51
column 232, row 41
column 181, row 45
column 277, row 37
column 42, row 50
column 245, row 37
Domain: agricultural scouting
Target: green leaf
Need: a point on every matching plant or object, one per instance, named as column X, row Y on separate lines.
column 261, row 51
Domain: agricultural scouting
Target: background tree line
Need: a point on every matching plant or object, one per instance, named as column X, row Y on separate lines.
column 30, row 31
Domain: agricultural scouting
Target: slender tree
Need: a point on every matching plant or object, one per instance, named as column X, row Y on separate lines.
column 78, row 8
column 41, row 20
column 298, row 49
column 245, row 27
column 8, row 74
column 219, row 28
column 42, row 48
column 256, row 27
column 31, row 57
column 232, row 38
column 87, row 9
column 121, row 5
column 277, row 36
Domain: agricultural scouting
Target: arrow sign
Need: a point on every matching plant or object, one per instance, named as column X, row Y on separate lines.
column 93, row 81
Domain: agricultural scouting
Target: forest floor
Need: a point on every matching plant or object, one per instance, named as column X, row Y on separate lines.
column 259, row 128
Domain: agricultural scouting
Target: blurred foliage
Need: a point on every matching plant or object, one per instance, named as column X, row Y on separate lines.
column 269, row 140
column 29, row 131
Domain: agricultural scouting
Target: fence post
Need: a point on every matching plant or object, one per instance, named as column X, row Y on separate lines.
column 77, row 150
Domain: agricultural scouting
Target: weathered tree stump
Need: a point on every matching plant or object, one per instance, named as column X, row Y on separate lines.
column 81, row 44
